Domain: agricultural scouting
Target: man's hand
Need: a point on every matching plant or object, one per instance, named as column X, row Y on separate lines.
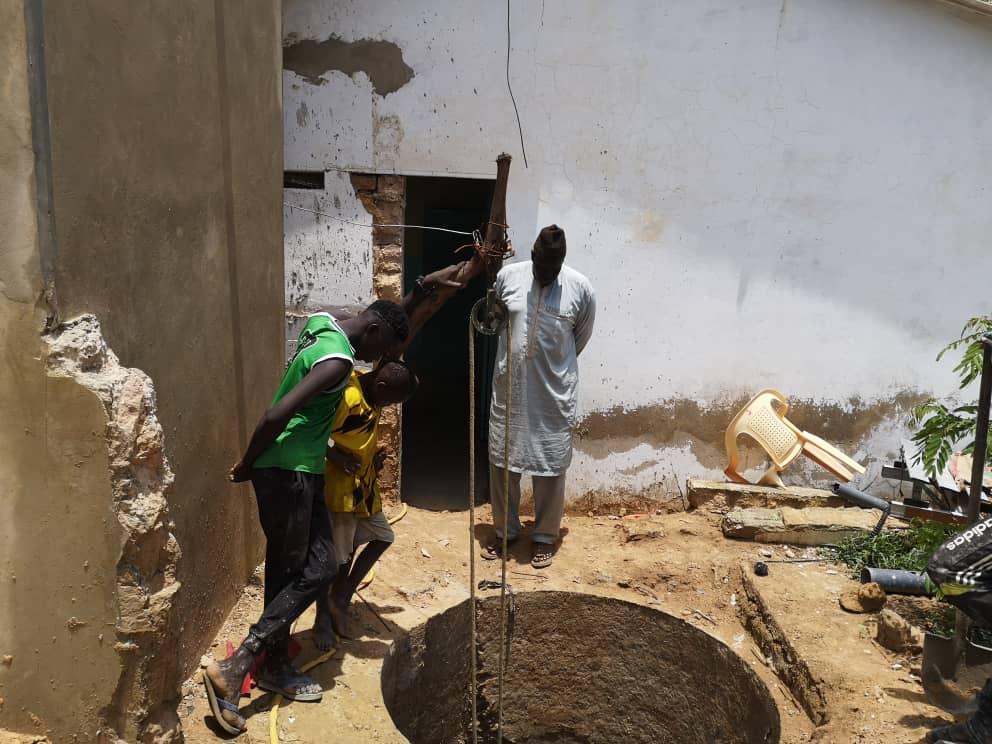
column 443, row 278
column 344, row 461
column 239, row 473
column 380, row 458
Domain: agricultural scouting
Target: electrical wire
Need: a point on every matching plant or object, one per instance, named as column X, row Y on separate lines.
column 363, row 224
column 520, row 128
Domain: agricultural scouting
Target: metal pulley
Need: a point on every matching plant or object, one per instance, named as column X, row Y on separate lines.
column 489, row 314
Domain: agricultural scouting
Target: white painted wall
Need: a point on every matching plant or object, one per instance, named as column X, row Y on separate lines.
column 328, row 262
column 788, row 193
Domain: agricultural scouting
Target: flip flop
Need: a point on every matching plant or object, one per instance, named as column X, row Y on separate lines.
column 292, row 687
column 219, row 704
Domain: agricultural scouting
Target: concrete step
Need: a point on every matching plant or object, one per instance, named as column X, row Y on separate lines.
column 813, row 525
column 721, row 493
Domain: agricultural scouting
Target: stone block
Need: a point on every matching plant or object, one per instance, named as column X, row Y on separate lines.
column 701, row 492
column 809, row 526
column 387, row 257
column 896, row 634
column 746, row 524
column 388, row 286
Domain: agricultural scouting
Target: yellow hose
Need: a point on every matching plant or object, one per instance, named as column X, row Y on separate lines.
column 403, row 510
column 367, row 579
column 274, row 711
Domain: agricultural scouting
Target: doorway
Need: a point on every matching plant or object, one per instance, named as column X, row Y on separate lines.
column 436, row 420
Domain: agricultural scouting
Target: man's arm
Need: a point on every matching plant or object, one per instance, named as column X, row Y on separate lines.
column 327, row 374
column 437, row 289
column 448, row 277
column 584, row 322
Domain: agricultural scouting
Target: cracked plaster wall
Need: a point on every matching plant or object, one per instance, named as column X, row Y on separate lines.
column 57, row 549
column 165, row 180
column 782, row 193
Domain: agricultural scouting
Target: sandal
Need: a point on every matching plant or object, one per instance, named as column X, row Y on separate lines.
column 292, row 684
column 219, row 706
column 541, row 555
column 494, row 550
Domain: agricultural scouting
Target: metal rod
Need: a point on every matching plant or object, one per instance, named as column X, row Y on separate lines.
column 501, row 669
column 473, row 631
column 981, row 433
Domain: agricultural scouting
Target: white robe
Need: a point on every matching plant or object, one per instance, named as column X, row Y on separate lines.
column 550, row 327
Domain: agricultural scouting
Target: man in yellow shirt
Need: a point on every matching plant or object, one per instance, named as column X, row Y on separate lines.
column 354, row 459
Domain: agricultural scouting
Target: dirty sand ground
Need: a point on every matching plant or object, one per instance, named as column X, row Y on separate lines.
column 679, row 563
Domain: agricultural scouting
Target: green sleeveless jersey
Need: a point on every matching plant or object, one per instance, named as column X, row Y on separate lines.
column 302, row 445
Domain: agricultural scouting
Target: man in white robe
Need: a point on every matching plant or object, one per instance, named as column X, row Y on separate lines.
column 552, row 309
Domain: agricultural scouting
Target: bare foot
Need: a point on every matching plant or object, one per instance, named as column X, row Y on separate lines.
column 323, row 629
column 341, row 622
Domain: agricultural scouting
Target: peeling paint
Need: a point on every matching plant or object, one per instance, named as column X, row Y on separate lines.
column 387, row 136
column 633, row 456
column 381, row 61
column 302, row 114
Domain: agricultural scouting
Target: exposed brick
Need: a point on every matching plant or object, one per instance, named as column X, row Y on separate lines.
column 386, row 235
column 387, row 250
column 390, row 426
column 367, row 199
column 388, row 259
column 388, row 286
column 384, row 198
column 392, row 188
column 364, row 181
column 387, row 212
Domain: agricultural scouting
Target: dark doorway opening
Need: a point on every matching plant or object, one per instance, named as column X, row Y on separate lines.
column 435, row 422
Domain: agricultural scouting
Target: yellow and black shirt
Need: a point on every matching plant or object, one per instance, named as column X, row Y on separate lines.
column 355, row 430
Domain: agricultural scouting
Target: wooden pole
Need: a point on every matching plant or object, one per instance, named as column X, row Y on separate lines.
column 494, row 245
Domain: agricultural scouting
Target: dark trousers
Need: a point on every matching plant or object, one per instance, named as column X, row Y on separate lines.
column 299, row 552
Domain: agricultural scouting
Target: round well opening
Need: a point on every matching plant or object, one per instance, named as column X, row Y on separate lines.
column 580, row 668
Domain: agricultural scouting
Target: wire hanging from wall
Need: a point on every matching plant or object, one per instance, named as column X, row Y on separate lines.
column 520, row 127
column 370, row 225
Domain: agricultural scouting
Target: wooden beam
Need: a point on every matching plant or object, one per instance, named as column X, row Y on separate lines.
column 494, row 246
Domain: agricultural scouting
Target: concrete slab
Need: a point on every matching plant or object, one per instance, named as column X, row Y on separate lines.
column 720, row 493
column 812, row 525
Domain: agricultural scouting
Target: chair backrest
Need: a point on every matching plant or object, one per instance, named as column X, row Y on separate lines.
column 762, row 422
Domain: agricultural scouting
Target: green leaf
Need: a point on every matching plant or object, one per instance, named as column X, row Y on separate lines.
column 939, row 430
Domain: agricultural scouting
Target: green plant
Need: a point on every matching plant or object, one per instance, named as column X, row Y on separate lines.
column 906, row 550
column 940, row 428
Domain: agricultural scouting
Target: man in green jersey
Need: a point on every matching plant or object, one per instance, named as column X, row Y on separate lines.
column 285, row 463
